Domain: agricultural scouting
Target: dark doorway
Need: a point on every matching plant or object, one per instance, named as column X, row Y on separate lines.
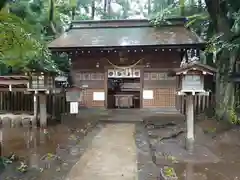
column 123, row 93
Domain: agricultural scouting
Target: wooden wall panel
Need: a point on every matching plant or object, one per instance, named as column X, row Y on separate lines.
column 87, row 99
column 94, row 80
column 164, row 89
column 162, row 97
column 156, row 59
column 85, row 72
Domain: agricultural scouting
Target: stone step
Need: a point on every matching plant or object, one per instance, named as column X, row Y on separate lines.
column 122, row 118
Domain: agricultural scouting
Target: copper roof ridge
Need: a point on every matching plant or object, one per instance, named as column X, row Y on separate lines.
column 123, row 20
column 122, row 23
column 127, row 26
column 113, row 26
column 110, row 20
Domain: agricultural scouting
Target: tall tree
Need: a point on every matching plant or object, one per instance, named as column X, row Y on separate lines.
column 222, row 16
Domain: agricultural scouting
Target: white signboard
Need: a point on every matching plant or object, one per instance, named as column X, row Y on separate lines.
column 72, row 96
column 192, row 82
column 73, row 107
column 147, row 94
column 98, row 96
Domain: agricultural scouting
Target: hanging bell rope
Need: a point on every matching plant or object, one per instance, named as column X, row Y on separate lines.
column 124, row 67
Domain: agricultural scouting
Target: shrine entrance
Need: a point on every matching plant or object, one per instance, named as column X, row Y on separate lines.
column 124, row 88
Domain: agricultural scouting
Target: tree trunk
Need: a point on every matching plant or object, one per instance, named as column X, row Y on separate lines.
column 149, row 7
column 105, row 7
column 3, row 3
column 224, row 88
column 225, row 60
column 93, row 9
column 200, row 5
column 109, row 9
column 182, row 7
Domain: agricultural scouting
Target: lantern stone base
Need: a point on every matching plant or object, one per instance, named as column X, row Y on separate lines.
column 189, row 145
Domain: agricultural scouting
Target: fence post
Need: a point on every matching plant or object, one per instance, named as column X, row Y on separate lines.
column 35, row 109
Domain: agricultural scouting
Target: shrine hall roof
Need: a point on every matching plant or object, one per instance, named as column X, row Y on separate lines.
column 126, row 33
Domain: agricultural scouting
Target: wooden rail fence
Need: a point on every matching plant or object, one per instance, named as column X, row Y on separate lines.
column 19, row 102
column 201, row 103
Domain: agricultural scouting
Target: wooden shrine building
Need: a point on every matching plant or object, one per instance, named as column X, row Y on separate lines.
column 125, row 63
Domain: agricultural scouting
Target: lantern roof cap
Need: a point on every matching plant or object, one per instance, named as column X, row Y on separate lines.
column 196, row 66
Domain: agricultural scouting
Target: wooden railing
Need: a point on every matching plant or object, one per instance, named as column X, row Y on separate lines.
column 201, row 103
column 18, row 102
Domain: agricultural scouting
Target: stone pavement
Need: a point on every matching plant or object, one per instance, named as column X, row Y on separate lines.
column 111, row 155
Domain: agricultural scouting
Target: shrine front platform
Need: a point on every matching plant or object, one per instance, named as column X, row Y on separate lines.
column 130, row 115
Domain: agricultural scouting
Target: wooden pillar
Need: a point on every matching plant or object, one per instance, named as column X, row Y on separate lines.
column 43, row 109
column 190, row 123
column 1, row 141
column 35, row 109
column 105, row 88
column 141, row 87
column 53, row 106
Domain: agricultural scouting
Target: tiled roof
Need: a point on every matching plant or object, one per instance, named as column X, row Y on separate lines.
column 119, row 33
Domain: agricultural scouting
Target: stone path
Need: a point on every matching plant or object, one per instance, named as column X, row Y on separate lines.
column 112, row 155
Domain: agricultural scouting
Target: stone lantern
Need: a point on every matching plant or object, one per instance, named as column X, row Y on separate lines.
column 192, row 80
column 41, row 84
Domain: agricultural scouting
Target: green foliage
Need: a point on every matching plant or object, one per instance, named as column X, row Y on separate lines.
column 233, row 116
column 17, row 47
column 169, row 171
column 26, row 30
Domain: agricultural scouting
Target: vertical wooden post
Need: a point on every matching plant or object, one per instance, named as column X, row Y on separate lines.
column 141, row 87
column 43, row 110
column 190, row 123
column 105, row 88
column 53, row 106
column 35, row 109
column 1, row 140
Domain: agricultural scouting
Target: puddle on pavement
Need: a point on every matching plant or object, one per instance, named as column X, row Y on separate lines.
column 226, row 169
column 224, row 145
column 24, row 141
column 31, row 144
column 210, row 171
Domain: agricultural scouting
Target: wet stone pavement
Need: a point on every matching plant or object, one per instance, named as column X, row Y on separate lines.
column 87, row 149
column 111, row 155
column 215, row 155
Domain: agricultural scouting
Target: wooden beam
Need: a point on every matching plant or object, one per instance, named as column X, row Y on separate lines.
column 13, row 82
column 15, row 76
column 13, row 89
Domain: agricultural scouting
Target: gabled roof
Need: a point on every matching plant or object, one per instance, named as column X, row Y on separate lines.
column 196, row 66
column 126, row 33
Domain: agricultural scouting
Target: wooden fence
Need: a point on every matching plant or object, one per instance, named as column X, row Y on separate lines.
column 201, row 103
column 19, row 102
